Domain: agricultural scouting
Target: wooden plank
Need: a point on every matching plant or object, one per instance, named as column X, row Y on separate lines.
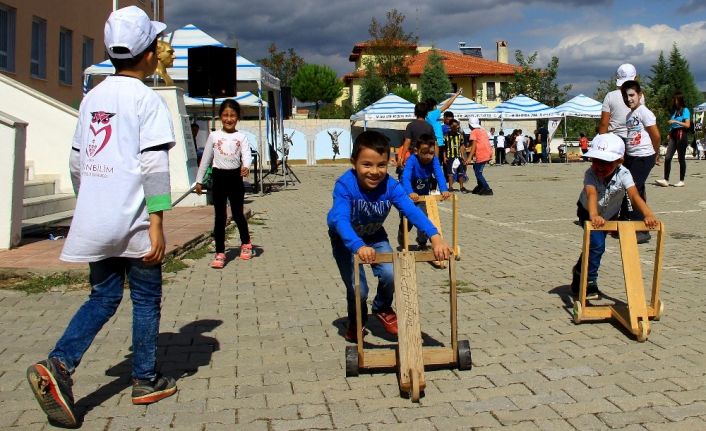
column 596, row 312
column 657, row 272
column 587, row 228
column 632, row 272
column 409, row 337
column 387, row 358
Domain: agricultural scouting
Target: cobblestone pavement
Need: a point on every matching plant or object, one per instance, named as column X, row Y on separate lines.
column 258, row 345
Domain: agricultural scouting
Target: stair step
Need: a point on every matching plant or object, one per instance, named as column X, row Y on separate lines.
column 45, row 205
column 40, row 223
column 36, row 188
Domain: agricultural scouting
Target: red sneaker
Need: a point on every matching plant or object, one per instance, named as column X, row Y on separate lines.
column 388, row 320
column 350, row 334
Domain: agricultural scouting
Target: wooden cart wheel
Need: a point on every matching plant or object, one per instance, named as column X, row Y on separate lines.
column 464, row 355
column 351, row 361
column 577, row 312
column 414, row 383
column 660, row 310
column 641, row 331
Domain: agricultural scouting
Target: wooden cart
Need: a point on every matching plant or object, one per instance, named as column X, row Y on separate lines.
column 410, row 357
column 635, row 313
column 432, row 209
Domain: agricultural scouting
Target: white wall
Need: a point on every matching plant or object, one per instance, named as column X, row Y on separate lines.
column 12, row 164
column 50, row 130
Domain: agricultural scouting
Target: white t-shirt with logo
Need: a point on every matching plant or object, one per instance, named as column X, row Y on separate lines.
column 226, row 151
column 639, row 142
column 117, row 120
column 614, row 104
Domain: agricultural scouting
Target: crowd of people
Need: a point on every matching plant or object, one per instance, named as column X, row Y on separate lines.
column 118, row 230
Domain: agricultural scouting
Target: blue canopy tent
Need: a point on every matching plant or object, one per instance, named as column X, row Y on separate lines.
column 250, row 77
column 389, row 108
column 522, row 107
column 580, row 106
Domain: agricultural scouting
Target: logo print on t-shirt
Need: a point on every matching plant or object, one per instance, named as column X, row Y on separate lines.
column 95, row 145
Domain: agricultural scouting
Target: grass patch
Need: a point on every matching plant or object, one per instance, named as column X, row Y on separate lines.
column 34, row 283
column 197, row 253
column 172, row 264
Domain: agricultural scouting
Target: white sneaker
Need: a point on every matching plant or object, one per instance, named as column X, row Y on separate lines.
column 679, row 184
column 663, row 183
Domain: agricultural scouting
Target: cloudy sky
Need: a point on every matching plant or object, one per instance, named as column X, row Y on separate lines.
column 591, row 38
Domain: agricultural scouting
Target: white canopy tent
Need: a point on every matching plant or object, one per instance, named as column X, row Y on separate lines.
column 464, row 108
column 700, row 108
column 522, row 107
column 250, row 77
column 389, row 108
column 580, row 106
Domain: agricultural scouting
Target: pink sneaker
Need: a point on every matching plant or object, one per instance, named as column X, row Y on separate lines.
column 219, row 261
column 246, row 251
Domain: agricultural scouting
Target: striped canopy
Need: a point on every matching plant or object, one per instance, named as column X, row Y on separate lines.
column 244, row 98
column 464, row 108
column 191, row 36
column 523, row 107
column 700, row 108
column 389, row 108
column 581, row 106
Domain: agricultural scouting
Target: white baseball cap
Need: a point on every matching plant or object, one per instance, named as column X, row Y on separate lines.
column 473, row 123
column 608, row 147
column 130, row 28
column 626, row 72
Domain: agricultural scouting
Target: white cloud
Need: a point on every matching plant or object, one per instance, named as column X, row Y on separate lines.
column 600, row 52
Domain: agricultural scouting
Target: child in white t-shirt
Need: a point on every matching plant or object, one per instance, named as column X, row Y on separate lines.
column 606, row 182
column 120, row 172
column 641, row 148
column 229, row 151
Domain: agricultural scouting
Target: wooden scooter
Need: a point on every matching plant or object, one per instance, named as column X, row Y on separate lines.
column 432, row 209
column 634, row 315
column 410, row 357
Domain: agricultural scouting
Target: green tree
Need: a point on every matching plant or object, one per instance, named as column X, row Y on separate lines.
column 316, row 83
column 333, row 111
column 537, row 83
column 390, row 45
column 407, row 93
column 669, row 77
column 372, row 87
column 283, row 64
column 434, row 82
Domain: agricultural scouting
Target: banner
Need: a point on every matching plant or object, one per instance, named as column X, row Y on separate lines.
column 552, row 125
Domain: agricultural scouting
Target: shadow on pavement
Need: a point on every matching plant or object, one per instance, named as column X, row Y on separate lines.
column 178, row 355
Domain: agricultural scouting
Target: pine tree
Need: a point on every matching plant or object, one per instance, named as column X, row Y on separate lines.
column 434, row 82
column 316, row 83
column 371, row 87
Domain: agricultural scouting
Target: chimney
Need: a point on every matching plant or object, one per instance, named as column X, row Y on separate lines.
column 502, row 51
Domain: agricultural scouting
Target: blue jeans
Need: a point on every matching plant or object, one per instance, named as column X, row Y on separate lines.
column 596, row 246
column 107, row 278
column 383, row 272
column 478, row 171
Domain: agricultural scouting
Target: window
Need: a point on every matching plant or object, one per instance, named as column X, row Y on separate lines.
column 65, row 56
column 38, row 60
column 86, row 61
column 504, row 90
column 490, row 90
column 7, row 38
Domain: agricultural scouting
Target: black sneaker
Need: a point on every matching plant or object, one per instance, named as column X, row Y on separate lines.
column 51, row 384
column 476, row 190
column 151, row 391
column 575, row 281
column 643, row 237
column 592, row 291
column 486, row 192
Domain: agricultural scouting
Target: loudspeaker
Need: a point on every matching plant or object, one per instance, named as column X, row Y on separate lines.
column 287, row 102
column 212, row 72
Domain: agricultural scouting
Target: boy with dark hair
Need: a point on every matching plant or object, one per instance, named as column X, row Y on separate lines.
column 120, row 172
column 362, row 199
column 422, row 167
column 416, row 128
column 454, row 156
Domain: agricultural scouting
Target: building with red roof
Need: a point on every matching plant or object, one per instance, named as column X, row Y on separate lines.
column 482, row 80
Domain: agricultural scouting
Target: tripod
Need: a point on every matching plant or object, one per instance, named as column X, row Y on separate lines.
column 287, row 173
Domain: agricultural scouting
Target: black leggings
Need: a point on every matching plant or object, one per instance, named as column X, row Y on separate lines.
column 228, row 186
column 678, row 144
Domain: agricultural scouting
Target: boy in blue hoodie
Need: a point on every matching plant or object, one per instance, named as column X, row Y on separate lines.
column 421, row 168
column 362, row 199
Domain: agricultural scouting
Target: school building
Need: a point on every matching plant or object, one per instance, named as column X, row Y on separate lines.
column 46, row 44
column 482, row 80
